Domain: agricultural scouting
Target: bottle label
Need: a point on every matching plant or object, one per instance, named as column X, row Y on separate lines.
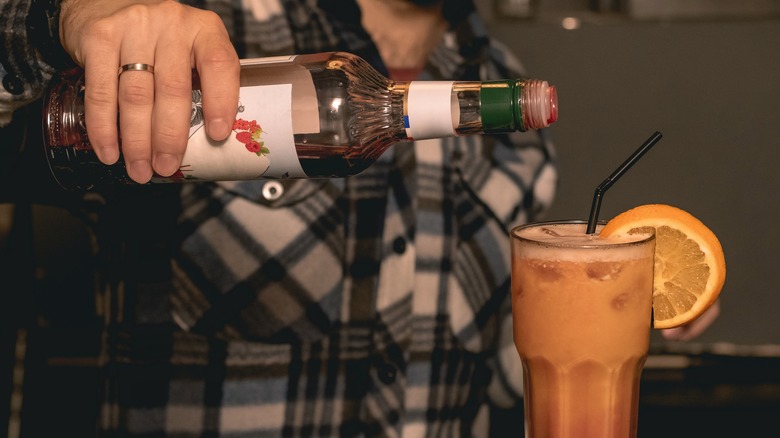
column 431, row 110
column 261, row 144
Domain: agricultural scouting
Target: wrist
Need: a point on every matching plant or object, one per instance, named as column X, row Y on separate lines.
column 43, row 27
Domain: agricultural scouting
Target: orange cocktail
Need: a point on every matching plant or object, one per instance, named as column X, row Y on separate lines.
column 582, row 315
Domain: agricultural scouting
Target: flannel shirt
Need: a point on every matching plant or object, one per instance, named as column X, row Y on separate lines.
column 375, row 305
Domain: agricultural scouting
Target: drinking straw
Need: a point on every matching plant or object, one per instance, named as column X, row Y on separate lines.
column 598, row 195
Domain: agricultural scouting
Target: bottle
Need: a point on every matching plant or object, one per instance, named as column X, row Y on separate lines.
column 305, row 116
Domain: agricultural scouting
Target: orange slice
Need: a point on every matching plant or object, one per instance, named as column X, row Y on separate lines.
column 690, row 267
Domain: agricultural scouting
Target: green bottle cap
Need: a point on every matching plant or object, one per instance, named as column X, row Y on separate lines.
column 500, row 106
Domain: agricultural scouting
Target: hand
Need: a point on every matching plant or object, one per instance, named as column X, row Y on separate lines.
column 694, row 328
column 154, row 108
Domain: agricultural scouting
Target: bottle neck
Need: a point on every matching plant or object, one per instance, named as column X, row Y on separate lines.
column 433, row 109
column 430, row 109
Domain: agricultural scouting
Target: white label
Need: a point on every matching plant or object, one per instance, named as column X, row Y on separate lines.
column 432, row 110
column 278, row 70
column 261, row 144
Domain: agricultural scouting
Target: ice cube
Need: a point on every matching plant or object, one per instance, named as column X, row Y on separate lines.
column 621, row 301
column 603, row 271
column 546, row 271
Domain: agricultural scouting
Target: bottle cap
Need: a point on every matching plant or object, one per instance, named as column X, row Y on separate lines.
column 520, row 105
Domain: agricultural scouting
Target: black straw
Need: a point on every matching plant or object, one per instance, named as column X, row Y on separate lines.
column 607, row 183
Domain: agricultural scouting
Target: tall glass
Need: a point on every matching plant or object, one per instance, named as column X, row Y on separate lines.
column 582, row 310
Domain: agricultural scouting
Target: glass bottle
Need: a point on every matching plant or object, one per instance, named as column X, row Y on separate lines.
column 305, row 116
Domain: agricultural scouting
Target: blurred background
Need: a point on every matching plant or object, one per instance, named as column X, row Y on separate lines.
column 706, row 74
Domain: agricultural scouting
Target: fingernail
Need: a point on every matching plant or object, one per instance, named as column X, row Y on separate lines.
column 108, row 154
column 218, row 129
column 165, row 164
column 140, row 171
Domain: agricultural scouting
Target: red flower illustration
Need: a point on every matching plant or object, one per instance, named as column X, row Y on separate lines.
column 253, row 146
column 244, row 137
column 240, row 124
column 248, row 133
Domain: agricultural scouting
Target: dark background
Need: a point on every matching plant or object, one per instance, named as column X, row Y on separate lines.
column 710, row 83
column 706, row 74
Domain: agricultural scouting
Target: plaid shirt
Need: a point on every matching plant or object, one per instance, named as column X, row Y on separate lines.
column 375, row 305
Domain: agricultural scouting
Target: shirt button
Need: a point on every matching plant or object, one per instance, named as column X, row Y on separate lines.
column 272, row 190
column 386, row 372
column 13, row 85
column 399, row 245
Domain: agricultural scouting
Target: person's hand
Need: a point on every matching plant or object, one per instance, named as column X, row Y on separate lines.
column 696, row 327
column 154, row 108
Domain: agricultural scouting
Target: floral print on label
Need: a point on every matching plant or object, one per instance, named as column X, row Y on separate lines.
column 249, row 134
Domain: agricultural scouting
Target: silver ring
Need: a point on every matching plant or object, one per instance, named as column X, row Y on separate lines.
column 136, row 67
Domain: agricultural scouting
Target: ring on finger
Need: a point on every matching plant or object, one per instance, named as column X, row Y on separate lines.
column 136, row 66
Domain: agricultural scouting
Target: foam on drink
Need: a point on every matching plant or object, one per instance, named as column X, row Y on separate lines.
column 568, row 241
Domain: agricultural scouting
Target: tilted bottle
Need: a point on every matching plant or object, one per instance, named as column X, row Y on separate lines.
column 305, row 116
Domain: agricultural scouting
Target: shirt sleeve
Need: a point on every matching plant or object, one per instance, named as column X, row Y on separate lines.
column 23, row 75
